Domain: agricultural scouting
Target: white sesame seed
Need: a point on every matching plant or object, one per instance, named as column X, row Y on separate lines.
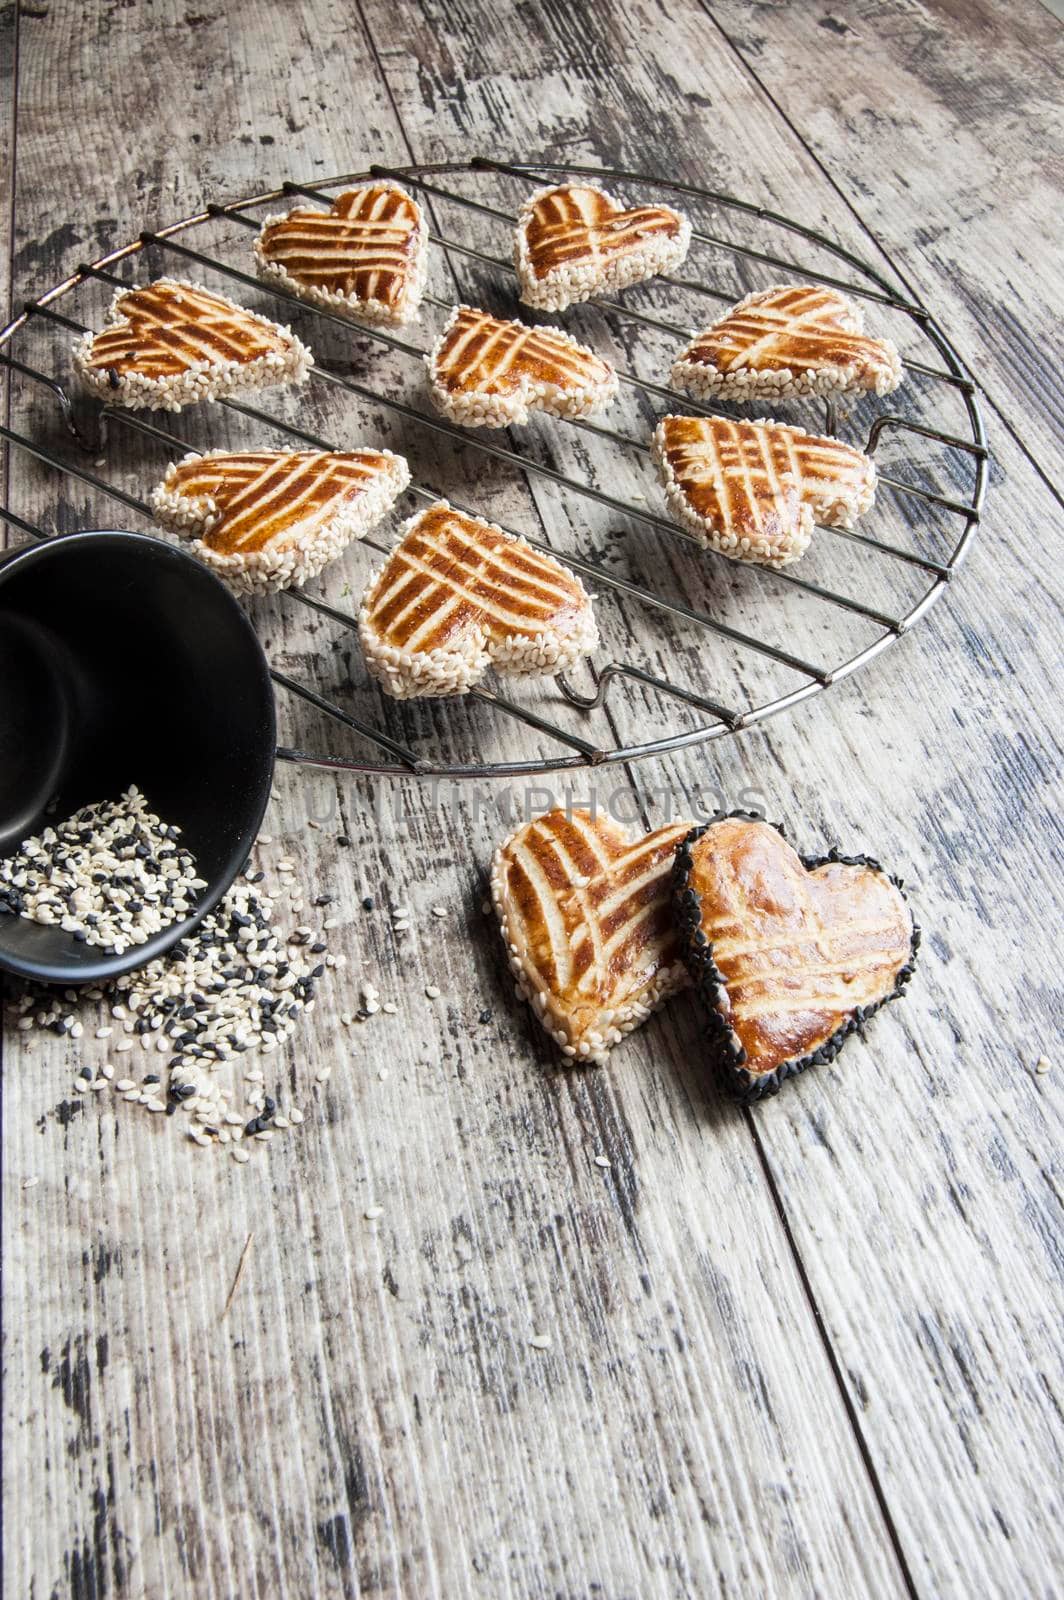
column 371, row 1213
column 432, row 991
column 104, row 1033
column 540, row 1341
column 295, row 1115
column 602, row 1161
column 390, row 1007
column 1043, row 1065
column 29, row 1183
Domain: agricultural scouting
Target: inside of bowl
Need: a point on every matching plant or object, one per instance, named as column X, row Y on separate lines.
column 127, row 663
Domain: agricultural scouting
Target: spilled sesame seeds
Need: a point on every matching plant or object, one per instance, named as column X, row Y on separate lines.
column 233, row 986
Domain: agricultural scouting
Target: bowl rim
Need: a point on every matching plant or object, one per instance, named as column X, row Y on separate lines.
column 109, row 967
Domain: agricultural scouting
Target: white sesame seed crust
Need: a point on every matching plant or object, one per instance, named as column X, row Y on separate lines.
column 439, row 672
column 278, row 566
column 202, row 380
column 477, row 409
column 376, row 313
column 705, row 382
column 567, row 285
column 589, row 1042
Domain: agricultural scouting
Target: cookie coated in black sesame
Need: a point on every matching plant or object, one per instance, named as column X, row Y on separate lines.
column 726, row 1053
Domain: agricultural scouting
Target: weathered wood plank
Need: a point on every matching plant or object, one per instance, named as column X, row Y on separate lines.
column 949, row 149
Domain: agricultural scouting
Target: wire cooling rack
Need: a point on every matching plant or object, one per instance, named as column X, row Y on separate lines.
column 705, row 647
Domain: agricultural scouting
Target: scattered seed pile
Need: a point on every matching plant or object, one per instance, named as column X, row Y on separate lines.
column 233, row 986
column 112, row 875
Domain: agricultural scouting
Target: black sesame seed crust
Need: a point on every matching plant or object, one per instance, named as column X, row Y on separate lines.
column 726, row 1053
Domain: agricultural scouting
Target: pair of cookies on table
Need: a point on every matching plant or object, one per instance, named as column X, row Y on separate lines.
column 788, row 955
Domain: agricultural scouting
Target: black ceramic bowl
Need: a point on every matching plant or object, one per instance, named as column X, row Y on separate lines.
column 125, row 661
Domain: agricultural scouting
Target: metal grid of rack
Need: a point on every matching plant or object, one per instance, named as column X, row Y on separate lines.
column 566, row 745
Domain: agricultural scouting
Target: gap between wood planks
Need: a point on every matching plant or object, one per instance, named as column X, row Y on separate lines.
column 706, row 7
column 833, row 1360
column 846, row 1399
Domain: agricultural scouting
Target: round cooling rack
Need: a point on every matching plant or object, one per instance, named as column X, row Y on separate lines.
column 694, row 646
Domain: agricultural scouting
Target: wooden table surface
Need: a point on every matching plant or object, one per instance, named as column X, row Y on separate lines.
column 812, row 1348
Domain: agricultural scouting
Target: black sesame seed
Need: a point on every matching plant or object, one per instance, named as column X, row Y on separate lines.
column 485, row 1016
column 367, row 904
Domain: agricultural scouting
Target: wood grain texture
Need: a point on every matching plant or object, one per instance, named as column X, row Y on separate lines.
column 950, row 150
column 811, row 1349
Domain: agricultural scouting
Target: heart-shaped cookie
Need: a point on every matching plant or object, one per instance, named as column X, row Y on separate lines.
column 486, row 372
column 788, row 954
column 271, row 519
column 458, row 595
column 753, row 490
column 367, row 256
column 585, row 914
column 789, row 340
column 574, row 241
column 171, row 343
